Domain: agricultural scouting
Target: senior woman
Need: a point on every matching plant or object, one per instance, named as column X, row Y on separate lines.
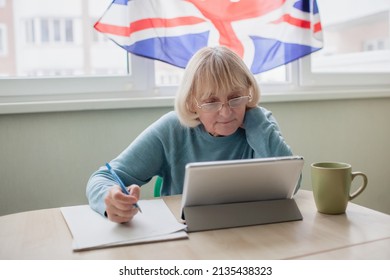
column 216, row 117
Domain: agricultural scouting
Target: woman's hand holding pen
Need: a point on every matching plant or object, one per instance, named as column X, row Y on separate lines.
column 119, row 206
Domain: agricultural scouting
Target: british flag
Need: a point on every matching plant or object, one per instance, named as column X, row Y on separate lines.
column 265, row 33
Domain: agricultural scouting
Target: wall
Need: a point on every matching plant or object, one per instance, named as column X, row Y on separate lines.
column 47, row 158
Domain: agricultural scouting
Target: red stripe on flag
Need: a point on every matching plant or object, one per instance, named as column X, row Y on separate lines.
column 146, row 24
column 317, row 27
column 112, row 29
column 294, row 21
column 163, row 22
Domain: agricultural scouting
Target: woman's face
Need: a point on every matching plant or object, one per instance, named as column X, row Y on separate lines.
column 227, row 120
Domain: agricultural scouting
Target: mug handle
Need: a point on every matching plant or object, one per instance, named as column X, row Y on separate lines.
column 362, row 187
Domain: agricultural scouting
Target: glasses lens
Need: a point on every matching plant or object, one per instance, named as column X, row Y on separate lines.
column 211, row 107
column 216, row 106
column 237, row 102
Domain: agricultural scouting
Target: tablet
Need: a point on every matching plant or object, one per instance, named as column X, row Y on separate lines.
column 260, row 179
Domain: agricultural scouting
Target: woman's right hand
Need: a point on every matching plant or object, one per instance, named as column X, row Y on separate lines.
column 119, row 206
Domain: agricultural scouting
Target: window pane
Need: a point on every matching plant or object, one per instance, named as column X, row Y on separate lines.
column 356, row 37
column 277, row 75
column 57, row 38
column 57, row 30
column 44, row 30
column 166, row 74
column 2, row 40
column 29, row 30
column 69, row 30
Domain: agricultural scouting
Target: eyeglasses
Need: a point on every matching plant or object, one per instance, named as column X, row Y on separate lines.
column 217, row 106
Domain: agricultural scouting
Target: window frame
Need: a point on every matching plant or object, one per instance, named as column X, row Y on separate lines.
column 3, row 40
column 138, row 90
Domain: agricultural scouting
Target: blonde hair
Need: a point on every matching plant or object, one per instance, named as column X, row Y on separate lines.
column 213, row 71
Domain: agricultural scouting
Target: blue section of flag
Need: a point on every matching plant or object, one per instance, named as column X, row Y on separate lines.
column 120, row 2
column 304, row 6
column 277, row 53
column 173, row 50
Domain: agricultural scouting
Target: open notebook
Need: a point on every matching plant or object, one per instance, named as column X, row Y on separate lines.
column 92, row 231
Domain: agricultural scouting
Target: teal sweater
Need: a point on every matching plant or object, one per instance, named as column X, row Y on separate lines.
column 166, row 146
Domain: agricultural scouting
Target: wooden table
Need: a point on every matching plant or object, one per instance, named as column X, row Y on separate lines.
column 361, row 233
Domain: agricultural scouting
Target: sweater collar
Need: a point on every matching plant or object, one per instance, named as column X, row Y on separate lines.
column 219, row 139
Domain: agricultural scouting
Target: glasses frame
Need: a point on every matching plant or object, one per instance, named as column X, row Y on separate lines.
column 214, row 107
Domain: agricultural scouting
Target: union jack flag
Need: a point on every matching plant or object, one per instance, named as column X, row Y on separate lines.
column 265, row 33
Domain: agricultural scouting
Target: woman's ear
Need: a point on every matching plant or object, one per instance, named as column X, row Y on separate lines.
column 250, row 96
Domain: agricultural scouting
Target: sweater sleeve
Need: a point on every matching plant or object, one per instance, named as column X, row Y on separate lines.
column 137, row 164
column 263, row 134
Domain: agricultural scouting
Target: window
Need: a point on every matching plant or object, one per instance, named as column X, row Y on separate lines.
column 58, row 55
column 357, row 41
column 44, row 30
column 3, row 40
column 356, row 49
column 52, row 31
column 29, row 29
column 68, row 30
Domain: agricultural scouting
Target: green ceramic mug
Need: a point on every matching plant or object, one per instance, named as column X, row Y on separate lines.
column 331, row 182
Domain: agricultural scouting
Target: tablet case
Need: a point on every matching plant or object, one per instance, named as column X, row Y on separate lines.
column 219, row 216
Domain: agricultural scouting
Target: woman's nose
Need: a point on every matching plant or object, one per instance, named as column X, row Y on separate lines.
column 225, row 110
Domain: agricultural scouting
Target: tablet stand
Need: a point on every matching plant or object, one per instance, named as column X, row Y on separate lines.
column 218, row 216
